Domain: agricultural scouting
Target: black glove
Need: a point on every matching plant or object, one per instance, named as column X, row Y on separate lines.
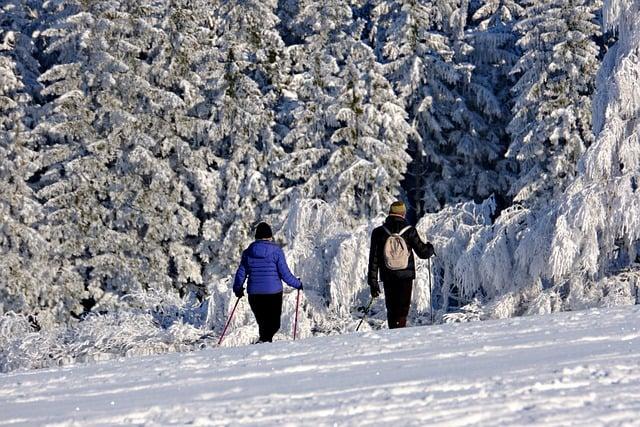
column 375, row 289
column 239, row 293
column 433, row 250
column 300, row 288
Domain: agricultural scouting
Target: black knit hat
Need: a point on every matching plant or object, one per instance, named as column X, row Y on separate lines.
column 263, row 231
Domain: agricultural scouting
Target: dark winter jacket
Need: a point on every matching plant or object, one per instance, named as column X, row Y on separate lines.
column 265, row 265
column 379, row 236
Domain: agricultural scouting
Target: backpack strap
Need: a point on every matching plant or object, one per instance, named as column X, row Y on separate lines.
column 404, row 230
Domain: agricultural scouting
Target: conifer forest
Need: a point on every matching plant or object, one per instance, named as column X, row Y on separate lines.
column 141, row 141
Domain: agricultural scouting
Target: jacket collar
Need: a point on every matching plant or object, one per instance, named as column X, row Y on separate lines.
column 267, row 241
column 395, row 221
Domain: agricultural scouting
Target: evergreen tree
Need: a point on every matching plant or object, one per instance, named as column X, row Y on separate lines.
column 189, row 68
column 23, row 252
column 364, row 170
column 243, row 91
column 323, row 29
column 348, row 135
column 596, row 230
column 25, row 268
column 421, row 45
column 493, row 53
column 551, row 126
column 118, row 140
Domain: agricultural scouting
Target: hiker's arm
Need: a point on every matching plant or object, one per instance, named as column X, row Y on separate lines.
column 284, row 272
column 422, row 249
column 241, row 275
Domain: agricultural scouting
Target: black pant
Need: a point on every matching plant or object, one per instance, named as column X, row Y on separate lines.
column 397, row 297
column 267, row 308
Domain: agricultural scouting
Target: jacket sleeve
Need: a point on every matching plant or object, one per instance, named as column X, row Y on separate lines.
column 374, row 261
column 241, row 274
column 422, row 249
column 284, row 272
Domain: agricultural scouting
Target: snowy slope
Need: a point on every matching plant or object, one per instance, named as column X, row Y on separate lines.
column 576, row 368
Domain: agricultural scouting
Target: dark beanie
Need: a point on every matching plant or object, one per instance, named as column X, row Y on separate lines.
column 263, row 231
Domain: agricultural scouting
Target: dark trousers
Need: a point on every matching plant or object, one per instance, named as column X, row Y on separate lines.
column 267, row 308
column 397, row 296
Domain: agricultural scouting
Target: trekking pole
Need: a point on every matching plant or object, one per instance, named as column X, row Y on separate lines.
column 366, row 311
column 295, row 322
column 224, row 331
column 430, row 291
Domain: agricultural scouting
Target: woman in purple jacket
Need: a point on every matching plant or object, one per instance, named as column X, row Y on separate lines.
column 263, row 262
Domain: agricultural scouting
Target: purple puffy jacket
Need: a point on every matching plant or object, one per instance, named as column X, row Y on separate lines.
column 265, row 265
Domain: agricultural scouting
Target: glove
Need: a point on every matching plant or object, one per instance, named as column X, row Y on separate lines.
column 239, row 293
column 300, row 288
column 375, row 289
column 433, row 250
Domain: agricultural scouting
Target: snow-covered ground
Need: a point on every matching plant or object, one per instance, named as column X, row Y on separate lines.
column 576, row 368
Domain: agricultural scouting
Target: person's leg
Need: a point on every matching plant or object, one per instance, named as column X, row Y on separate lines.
column 257, row 304
column 267, row 309
column 397, row 296
column 404, row 303
column 273, row 313
column 390, row 298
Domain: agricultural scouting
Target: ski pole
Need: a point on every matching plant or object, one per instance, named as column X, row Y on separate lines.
column 430, row 291
column 224, row 331
column 295, row 322
column 366, row 311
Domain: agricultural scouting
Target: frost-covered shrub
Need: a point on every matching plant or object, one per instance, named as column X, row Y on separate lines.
column 98, row 337
column 13, row 326
column 469, row 313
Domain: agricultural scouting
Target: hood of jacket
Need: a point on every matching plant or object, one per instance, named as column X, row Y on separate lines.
column 261, row 249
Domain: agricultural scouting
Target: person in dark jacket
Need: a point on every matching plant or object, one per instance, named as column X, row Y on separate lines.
column 264, row 263
column 398, row 284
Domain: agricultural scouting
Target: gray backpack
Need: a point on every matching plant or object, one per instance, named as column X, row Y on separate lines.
column 396, row 252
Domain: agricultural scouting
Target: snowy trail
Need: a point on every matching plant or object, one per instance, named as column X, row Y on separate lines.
column 577, row 368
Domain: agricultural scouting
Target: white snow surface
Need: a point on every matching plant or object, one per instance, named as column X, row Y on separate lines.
column 572, row 368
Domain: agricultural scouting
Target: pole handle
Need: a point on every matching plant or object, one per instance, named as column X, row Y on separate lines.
column 366, row 311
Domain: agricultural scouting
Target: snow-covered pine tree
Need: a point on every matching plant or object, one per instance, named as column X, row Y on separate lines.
column 243, row 90
column 186, row 68
column 25, row 270
column 493, row 53
column 551, row 125
column 348, row 134
column 366, row 165
column 478, row 135
column 594, row 247
column 580, row 249
column 23, row 252
column 320, row 28
column 119, row 210
column 420, row 44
